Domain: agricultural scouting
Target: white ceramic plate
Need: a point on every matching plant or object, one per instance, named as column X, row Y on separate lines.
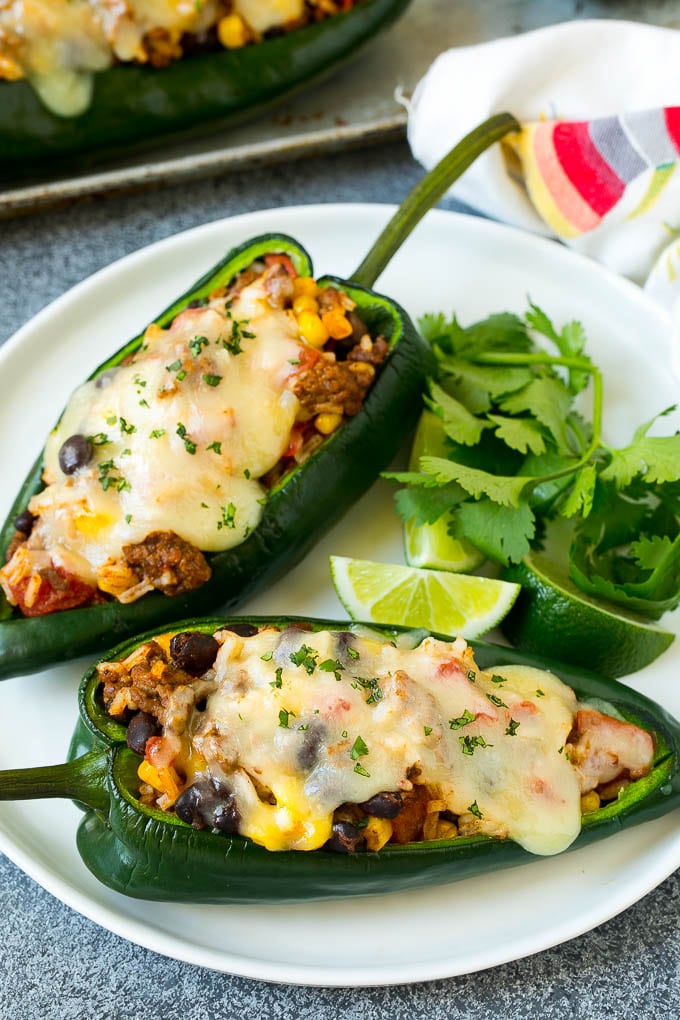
column 452, row 261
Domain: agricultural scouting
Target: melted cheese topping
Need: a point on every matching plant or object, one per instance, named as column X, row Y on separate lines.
column 180, row 436
column 326, row 719
column 58, row 44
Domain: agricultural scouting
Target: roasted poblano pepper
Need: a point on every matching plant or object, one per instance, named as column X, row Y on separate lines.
column 133, row 106
column 149, row 854
column 309, row 498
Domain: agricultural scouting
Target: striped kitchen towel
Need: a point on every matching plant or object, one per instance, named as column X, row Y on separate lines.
column 596, row 161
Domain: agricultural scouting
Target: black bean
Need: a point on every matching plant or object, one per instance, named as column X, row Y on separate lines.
column 383, row 805
column 193, row 651
column 104, row 379
column 242, row 629
column 24, row 522
column 140, row 728
column 75, row 453
column 208, row 804
column 309, row 750
column 345, row 838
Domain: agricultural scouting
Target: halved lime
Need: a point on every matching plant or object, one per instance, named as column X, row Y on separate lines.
column 430, row 545
column 553, row 617
column 436, row 600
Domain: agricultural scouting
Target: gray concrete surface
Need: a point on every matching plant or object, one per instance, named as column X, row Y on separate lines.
column 57, row 965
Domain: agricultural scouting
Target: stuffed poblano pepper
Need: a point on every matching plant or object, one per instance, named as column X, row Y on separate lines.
column 206, row 457
column 273, row 760
column 84, row 78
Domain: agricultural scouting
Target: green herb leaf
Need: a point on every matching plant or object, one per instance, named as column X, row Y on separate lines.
column 359, row 749
column 462, row 720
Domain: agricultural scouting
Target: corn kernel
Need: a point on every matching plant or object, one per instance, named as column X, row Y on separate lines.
column 305, row 303
column 327, row 423
column 312, row 329
column 164, row 780
column 362, row 368
column 232, row 32
column 305, row 285
column 377, row 832
column 589, row 802
column 337, row 324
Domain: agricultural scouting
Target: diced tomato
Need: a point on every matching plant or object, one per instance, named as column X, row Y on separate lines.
column 58, row 590
column 280, row 259
column 297, row 438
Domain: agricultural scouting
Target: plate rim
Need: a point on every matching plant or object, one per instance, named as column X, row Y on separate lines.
column 155, row 939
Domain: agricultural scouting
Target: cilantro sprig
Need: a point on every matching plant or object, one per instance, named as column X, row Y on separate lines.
column 519, row 455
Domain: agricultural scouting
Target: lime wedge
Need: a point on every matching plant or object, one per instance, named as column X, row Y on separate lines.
column 430, row 545
column 553, row 617
column 436, row 600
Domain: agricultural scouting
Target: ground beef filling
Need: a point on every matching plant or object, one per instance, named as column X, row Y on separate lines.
column 168, row 563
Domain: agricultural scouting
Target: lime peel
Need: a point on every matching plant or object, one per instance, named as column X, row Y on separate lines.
column 553, row 617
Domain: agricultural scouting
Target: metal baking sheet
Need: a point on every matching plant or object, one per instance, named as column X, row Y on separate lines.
column 359, row 105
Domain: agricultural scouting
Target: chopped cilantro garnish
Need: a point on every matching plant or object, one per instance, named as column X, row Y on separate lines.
column 174, row 367
column 216, row 446
column 228, row 519
column 212, row 380
column 472, row 676
column 332, row 666
column 496, row 679
column 189, row 444
column 513, row 726
column 267, row 657
column 156, row 433
column 284, row 716
column 279, row 678
column 495, row 700
column 100, row 439
column 305, row 657
column 246, row 473
column 126, row 427
column 197, row 344
column 359, row 749
column 361, row 771
column 468, row 744
column 462, row 720
column 474, row 810
column 540, row 693
column 428, row 730
column 353, row 653
column 371, row 684
column 128, row 518
column 112, row 419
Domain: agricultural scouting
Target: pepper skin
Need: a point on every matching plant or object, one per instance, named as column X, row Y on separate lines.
column 133, row 106
column 299, row 509
column 147, row 854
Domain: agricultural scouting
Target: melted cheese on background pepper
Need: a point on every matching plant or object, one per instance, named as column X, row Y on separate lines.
column 321, row 737
column 58, row 44
column 144, row 475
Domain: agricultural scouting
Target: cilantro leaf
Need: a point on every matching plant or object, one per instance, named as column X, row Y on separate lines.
column 548, row 400
column 501, row 533
column 654, row 458
column 503, row 489
column 462, row 426
column 425, row 505
column 519, row 433
column 580, row 499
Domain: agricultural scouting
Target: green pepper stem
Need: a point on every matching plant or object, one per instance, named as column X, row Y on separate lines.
column 428, row 192
column 83, row 779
